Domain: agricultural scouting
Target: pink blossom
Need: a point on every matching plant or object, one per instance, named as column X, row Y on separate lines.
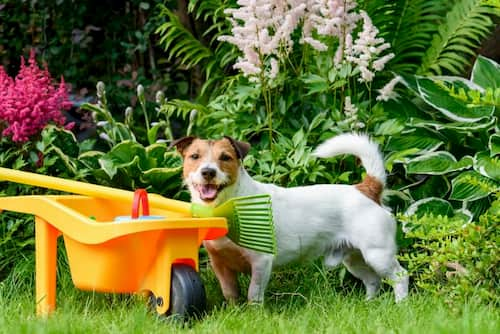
column 365, row 50
column 29, row 102
column 387, row 92
column 262, row 30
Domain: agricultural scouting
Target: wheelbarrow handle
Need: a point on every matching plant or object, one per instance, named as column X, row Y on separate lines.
column 88, row 189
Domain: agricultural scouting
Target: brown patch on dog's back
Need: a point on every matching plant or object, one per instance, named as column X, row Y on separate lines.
column 372, row 188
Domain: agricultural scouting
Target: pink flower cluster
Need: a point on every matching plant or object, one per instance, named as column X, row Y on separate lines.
column 262, row 30
column 335, row 18
column 30, row 101
column 366, row 51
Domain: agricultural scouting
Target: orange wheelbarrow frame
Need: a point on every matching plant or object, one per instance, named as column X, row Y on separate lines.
column 134, row 256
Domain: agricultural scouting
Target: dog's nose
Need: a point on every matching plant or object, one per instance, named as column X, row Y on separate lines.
column 208, row 173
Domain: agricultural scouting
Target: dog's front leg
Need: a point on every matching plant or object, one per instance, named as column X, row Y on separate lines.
column 227, row 276
column 262, row 266
column 228, row 279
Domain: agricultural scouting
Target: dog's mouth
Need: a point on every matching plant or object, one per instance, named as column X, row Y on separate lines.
column 208, row 192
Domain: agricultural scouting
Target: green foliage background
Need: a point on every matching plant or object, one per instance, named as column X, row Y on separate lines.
column 440, row 137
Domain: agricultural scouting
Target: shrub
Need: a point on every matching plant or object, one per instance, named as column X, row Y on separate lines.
column 54, row 153
column 134, row 157
column 453, row 258
column 443, row 143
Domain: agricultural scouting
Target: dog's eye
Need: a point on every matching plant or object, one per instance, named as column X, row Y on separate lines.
column 194, row 156
column 225, row 157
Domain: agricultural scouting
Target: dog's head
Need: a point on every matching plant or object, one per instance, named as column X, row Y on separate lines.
column 210, row 167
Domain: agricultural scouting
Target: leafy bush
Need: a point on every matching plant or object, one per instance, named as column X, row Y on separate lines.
column 445, row 141
column 55, row 153
column 125, row 162
column 453, row 258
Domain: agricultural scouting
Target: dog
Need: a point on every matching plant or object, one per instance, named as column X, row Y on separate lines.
column 342, row 223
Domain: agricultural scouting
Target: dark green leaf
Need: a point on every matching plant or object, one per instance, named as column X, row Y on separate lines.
column 430, row 206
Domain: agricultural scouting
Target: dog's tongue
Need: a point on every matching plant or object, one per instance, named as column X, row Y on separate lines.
column 207, row 191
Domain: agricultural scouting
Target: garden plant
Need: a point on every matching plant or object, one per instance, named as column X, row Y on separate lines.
column 284, row 76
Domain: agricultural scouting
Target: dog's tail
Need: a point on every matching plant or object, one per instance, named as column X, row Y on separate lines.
column 370, row 155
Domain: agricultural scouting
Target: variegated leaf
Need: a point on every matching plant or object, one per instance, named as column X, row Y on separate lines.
column 471, row 186
column 487, row 166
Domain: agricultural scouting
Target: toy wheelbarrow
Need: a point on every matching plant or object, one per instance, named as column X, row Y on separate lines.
column 155, row 254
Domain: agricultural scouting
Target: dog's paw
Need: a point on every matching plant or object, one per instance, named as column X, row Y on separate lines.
column 255, row 303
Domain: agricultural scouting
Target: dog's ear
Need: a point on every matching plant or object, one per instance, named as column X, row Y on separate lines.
column 182, row 143
column 240, row 147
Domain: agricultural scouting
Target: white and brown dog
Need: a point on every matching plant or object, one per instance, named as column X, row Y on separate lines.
column 342, row 223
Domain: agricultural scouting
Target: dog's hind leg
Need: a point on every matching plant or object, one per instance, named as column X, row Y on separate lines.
column 385, row 264
column 354, row 262
column 262, row 266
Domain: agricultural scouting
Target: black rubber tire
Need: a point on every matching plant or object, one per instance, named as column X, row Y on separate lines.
column 187, row 293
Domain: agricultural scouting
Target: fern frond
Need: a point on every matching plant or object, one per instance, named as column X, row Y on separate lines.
column 180, row 43
column 408, row 25
column 212, row 11
column 181, row 108
column 454, row 45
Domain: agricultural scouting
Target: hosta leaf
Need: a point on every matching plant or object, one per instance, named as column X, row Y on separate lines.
column 111, row 167
column 127, row 151
column 108, row 166
column 163, row 177
column 483, row 123
column 434, row 163
column 122, row 133
column 449, row 106
column 487, row 166
column 486, row 73
column 458, row 82
column 128, row 156
column 430, row 206
column 479, row 207
column 472, row 186
column 91, row 159
column 494, row 144
column 410, row 81
column 64, row 139
column 419, row 139
column 399, row 157
column 436, row 185
column 156, row 154
column 390, row 127
column 465, row 163
column 464, row 214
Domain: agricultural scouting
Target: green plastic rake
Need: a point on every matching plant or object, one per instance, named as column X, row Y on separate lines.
column 250, row 221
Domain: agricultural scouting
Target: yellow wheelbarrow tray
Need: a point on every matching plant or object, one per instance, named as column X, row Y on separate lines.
column 134, row 256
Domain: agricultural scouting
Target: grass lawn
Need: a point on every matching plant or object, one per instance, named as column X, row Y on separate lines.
column 299, row 300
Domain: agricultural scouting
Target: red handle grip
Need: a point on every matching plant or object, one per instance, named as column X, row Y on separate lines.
column 140, row 197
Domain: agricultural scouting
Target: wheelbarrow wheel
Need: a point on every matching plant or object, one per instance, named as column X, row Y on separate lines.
column 187, row 293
